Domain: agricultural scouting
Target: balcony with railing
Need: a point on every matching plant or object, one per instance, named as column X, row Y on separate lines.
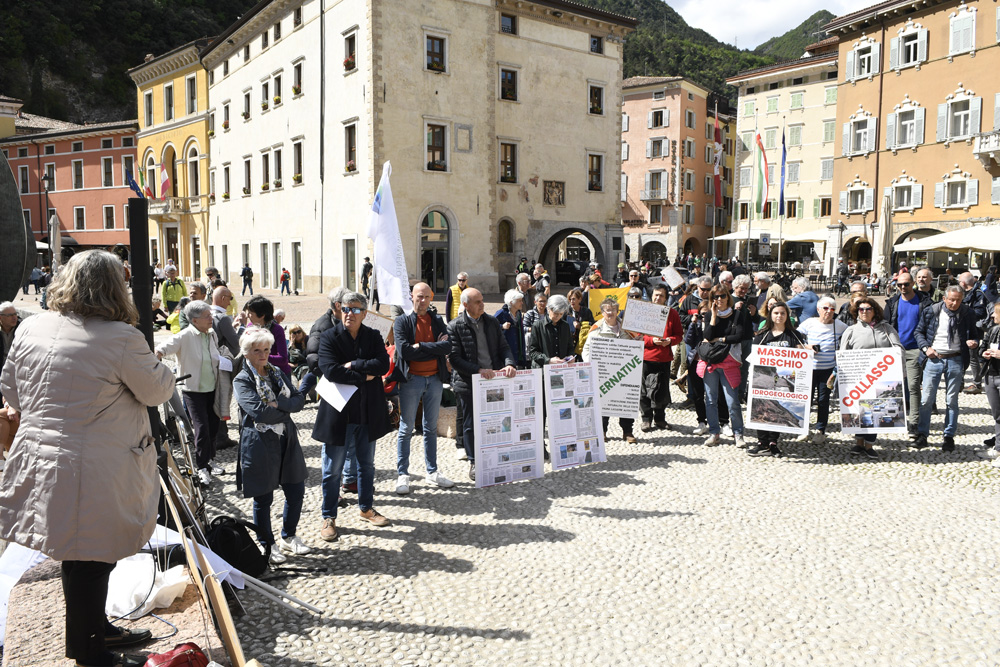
column 657, row 194
column 986, row 147
column 174, row 207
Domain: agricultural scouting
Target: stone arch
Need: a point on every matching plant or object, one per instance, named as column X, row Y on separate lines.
column 547, row 255
column 437, row 247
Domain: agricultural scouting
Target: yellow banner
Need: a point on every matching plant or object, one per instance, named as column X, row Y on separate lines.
column 619, row 294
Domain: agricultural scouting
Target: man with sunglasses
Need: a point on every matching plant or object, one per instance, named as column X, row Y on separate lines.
column 902, row 312
column 823, row 334
column 453, row 306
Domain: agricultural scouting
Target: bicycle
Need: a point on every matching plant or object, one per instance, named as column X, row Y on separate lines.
column 175, row 435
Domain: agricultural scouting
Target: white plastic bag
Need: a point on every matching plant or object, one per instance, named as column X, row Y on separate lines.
column 131, row 581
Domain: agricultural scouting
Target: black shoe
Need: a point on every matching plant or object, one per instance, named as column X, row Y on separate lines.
column 775, row 452
column 871, row 454
column 125, row 637
column 857, row 450
column 117, row 660
column 757, row 450
column 990, row 442
column 920, row 441
column 949, row 444
column 662, row 425
column 472, row 471
column 342, row 502
column 685, row 405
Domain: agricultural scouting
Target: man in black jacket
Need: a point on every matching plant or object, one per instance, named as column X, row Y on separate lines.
column 325, row 321
column 422, row 348
column 946, row 333
column 352, row 355
column 903, row 311
column 976, row 300
column 477, row 346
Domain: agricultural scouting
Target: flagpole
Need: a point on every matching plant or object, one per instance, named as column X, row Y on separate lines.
column 753, row 189
column 781, row 216
column 715, row 226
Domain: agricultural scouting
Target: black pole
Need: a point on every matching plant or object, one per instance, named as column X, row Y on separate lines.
column 142, row 276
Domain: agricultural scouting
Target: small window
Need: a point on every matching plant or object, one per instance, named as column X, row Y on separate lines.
column 689, row 148
column 956, row 193
column 109, row 217
column 751, row 90
column 903, row 196
column 596, row 44
column 351, row 52
column 825, row 207
column 50, row 149
column 23, row 178
column 505, row 236
column 297, row 161
column 105, row 143
column 277, row 31
column 508, row 163
column 264, row 39
column 959, row 119
column 128, row 167
column 656, row 148
column 595, row 173
column 246, row 177
column 796, row 100
column 77, row 146
column 265, row 95
column 830, row 95
column 225, row 183
column 655, row 213
column 225, row 67
column 128, row 142
column 246, row 105
column 508, row 24
column 297, row 79
column 745, row 176
column 829, row 130
column 659, row 95
column 795, row 135
column 749, row 108
column 297, row 17
column 107, row 172
column 962, row 32
column 908, row 51
column 265, row 171
column 435, row 53
column 792, row 172
column 768, row 208
column 351, row 148
column 168, row 102
column 147, row 103
column 657, row 120
column 773, row 86
column 79, row 218
column 597, row 100
column 770, row 138
column 689, row 119
column 856, row 200
column 826, row 169
column 797, row 81
column 192, row 95
column 77, row 174
column 791, row 208
column 246, row 53
column 276, row 81
column 744, row 210
column 772, row 105
column 211, row 81
column 508, row 85
column 225, row 116
column 436, row 148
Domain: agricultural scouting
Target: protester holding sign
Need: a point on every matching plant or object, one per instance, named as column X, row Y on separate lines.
column 610, row 327
column 823, row 333
column 778, row 332
column 719, row 364
column 656, row 359
column 870, row 332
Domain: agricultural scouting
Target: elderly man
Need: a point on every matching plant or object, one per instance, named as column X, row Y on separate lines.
column 925, row 283
column 172, row 289
column 726, row 279
column 9, row 321
column 524, row 286
column 945, row 334
column 197, row 291
column 635, row 282
column 352, row 354
column 803, row 304
column 766, row 290
column 976, row 300
column 453, row 305
column 477, row 346
column 823, row 333
column 422, row 348
column 543, row 283
column 903, row 312
column 654, row 394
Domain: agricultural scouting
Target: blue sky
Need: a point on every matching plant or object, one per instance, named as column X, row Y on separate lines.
column 747, row 23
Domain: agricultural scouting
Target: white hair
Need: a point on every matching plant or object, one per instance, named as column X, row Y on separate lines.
column 741, row 280
column 704, row 280
column 336, row 294
column 801, row 282
column 253, row 336
column 7, row 304
column 954, row 288
column 826, row 300
column 196, row 308
column 525, row 276
column 462, row 275
column 355, row 297
column 762, row 275
column 279, row 313
column 725, row 275
column 512, row 295
column 558, row 304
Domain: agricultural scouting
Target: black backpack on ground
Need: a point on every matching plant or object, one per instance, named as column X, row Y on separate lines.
column 230, row 539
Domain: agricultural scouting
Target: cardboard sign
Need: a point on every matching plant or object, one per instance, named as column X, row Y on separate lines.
column 646, row 317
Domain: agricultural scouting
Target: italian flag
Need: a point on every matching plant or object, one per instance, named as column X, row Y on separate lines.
column 760, row 164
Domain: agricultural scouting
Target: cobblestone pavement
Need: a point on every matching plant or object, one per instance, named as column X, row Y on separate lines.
column 669, row 553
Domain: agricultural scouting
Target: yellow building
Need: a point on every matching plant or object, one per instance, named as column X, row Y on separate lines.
column 174, row 131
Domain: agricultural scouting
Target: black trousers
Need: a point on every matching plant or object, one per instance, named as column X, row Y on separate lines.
column 200, row 407
column 626, row 424
column 655, row 392
column 85, row 587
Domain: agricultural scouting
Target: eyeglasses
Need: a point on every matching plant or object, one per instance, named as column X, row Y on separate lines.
column 826, row 307
column 463, row 280
column 721, row 296
column 905, row 284
column 8, row 314
column 865, row 309
column 353, row 310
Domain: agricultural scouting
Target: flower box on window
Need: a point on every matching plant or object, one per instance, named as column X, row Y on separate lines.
column 596, row 110
column 211, row 133
column 350, row 63
column 263, row 106
column 277, row 99
column 225, row 195
column 437, row 165
column 277, row 182
column 350, row 166
column 296, row 90
column 246, row 190
column 246, row 115
column 508, row 179
column 225, row 125
column 265, row 186
column 297, row 178
column 594, row 187
column 211, row 197
column 435, row 67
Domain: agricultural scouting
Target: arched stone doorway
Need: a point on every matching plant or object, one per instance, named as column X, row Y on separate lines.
column 692, row 246
column 549, row 254
column 857, row 249
column 654, row 252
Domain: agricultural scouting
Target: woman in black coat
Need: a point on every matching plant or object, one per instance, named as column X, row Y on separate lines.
column 270, row 453
column 552, row 338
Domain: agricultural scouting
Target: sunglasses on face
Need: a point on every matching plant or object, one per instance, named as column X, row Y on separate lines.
column 865, row 309
column 353, row 310
column 826, row 307
column 719, row 296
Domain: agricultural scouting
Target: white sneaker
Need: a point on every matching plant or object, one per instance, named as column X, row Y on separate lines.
column 294, row 546
column 727, row 431
column 712, row 440
column 205, row 476
column 701, row 430
column 740, row 442
column 217, row 470
column 440, row 480
column 403, row 485
column 818, row 438
column 990, row 453
column 277, row 558
column 804, row 438
column 996, row 463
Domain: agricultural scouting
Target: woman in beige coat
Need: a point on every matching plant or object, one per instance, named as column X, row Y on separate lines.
column 80, row 484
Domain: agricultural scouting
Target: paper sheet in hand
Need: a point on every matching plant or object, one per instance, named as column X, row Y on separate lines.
column 334, row 393
column 646, row 317
column 673, row 277
column 225, row 364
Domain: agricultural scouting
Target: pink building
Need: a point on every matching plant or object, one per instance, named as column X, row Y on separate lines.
column 87, row 188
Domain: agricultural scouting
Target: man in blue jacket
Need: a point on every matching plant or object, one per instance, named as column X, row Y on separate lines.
column 946, row 333
column 903, row 311
column 422, row 348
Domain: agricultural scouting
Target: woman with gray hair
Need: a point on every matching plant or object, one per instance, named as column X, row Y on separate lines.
column 510, row 317
column 270, row 453
column 803, row 304
column 80, row 483
column 551, row 338
column 610, row 326
column 197, row 352
column 823, row 334
column 535, row 314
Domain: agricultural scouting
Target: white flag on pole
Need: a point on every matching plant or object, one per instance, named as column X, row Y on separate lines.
column 390, row 263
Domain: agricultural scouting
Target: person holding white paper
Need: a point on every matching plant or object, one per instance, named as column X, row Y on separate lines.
column 611, row 327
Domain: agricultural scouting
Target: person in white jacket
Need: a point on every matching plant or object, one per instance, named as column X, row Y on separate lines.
column 197, row 352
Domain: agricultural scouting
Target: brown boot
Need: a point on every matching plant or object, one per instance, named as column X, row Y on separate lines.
column 328, row 533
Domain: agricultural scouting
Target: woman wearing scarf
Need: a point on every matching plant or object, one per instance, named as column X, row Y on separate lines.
column 778, row 332
column 260, row 312
column 723, row 377
column 270, row 454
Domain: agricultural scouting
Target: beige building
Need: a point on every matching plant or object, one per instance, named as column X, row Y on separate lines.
column 796, row 99
column 499, row 117
column 667, row 186
column 918, row 125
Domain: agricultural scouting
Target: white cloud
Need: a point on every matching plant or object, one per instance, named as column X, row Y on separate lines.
column 748, row 23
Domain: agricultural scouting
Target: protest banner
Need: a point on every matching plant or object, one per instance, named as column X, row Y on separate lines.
column 646, row 317
column 619, row 374
column 574, row 412
column 619, row 294
column 872, row 399
column 780, row 389
column 507, row 417
column 673, row 277
column 380, row 323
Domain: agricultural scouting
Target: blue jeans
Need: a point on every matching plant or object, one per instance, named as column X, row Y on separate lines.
column 294, row 493
column 415, row 388
column 819, row 379
column 333, row 464
column 951, row 369
column 715, row 381
column 350, row 473
column 285, row 288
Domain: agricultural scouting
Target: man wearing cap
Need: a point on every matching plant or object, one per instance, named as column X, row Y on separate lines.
column 622, row 276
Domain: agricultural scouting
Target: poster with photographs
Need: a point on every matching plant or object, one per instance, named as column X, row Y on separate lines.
column 619, row 374
column 574, row 415
column 507, row 416
column 780, row 389
column 872, row 399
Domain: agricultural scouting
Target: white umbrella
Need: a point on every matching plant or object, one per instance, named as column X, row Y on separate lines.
column 882, row 246
column 982, row 238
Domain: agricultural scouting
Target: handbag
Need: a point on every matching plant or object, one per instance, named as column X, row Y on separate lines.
column 182, row 655
column 713, row 353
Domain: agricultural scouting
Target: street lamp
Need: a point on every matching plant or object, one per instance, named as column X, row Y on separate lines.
column 47, row 182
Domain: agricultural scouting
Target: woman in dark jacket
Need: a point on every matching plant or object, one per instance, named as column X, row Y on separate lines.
column 580, row 318
column 270, row 454
column 778, row 332
column 260, row 310
column 990, row 353
column 510, row 317
column 551, row 338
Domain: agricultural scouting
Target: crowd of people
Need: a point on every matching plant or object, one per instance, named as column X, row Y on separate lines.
column 243, row 357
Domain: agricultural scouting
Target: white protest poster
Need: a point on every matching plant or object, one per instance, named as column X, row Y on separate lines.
column 507, row 418
column 619, row 374
column 673, row 277
column 574, row 415
column 780, row 389
column 646, row 317
column 379, row 323
column 871, row 391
